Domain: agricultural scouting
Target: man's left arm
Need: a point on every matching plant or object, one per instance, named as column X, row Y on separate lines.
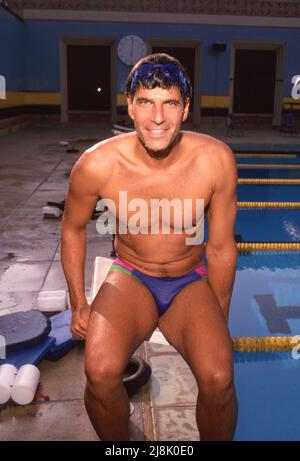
column 221, row 251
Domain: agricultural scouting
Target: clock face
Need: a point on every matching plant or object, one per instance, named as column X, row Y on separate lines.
column 131, row 48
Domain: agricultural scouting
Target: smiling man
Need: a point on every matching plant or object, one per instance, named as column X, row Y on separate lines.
column 159, row 277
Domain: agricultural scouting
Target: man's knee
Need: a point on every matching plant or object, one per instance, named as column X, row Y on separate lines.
column 215, row 380
column 104, row 374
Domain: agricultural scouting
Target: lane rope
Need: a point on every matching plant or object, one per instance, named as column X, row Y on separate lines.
column 268, row 181
column 268, row 204
column 261, row 246
column 249, row 155
column 265, row 343
column 269, row 166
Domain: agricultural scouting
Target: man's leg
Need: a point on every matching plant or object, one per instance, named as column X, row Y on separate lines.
column 123, row 315
column 195, row 325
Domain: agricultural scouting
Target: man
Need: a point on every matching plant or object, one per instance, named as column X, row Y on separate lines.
column 159, row 278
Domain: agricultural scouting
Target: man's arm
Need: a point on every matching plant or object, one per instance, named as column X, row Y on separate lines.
column 80, row 203
column 221, row 251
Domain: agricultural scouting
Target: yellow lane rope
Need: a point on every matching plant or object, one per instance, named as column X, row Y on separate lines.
column 271, row 165
column 249, row 155
column 261, row 246
column 268, row 204
column 268, row 181
column 265, row 343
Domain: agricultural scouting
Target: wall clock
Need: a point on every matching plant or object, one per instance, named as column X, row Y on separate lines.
column 131, row 48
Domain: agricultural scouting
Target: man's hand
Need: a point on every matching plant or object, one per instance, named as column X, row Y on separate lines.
column 80, row 320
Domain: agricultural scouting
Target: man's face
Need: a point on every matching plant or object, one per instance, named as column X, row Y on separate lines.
column 157, row 115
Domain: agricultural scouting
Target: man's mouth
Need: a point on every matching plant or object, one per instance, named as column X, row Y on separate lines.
column 157, row 132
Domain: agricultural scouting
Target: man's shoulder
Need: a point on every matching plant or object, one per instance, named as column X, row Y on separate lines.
column 105, row 153
column 206, row 141
column 207, row 146
column 109, row 148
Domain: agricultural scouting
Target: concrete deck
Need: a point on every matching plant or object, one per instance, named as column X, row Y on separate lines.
column 34, row 169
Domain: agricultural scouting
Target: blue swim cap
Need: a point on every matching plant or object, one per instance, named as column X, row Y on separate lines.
column 170, row 71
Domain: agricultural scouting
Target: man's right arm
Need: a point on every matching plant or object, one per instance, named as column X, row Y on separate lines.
column 80, row 202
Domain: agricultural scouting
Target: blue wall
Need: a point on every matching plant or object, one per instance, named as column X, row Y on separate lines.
column 12, row 33
column 39, row 41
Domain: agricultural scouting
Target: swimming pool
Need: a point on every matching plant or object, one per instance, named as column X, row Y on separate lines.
column 266, row 302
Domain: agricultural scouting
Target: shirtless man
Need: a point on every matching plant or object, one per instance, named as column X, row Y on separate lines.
column 156, row 161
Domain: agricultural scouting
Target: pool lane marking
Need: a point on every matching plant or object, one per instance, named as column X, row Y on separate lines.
column 245, row 155
column 278, row 166
column 276, row 181
column 277, row 205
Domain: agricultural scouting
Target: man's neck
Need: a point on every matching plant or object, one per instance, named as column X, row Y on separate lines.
column 159, row 159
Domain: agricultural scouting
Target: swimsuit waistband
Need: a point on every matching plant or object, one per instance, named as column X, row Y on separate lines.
column 201, row 270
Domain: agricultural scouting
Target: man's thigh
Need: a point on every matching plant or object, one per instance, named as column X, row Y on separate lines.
column 123, row 314
column 195, row 325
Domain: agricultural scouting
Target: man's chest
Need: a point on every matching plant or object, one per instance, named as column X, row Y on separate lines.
column 177, row 184
column 177, row 199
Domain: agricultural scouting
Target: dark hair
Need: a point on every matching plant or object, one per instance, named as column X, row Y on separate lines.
column 158, row 70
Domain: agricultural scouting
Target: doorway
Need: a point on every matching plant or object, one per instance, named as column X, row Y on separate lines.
column 88, row 78
column 254, row 81
column 89, row 87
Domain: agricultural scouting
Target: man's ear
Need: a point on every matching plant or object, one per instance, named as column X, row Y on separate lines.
column 186, row 109
column 130, row 107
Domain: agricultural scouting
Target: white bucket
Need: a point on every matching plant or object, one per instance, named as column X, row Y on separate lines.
column 8, row 375
column 26, row 384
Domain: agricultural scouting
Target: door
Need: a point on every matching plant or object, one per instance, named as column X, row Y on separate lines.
column 254, row 81
column 89, row 78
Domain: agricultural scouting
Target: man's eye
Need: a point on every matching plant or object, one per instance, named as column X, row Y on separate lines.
column 144, row 102
column 172, row 104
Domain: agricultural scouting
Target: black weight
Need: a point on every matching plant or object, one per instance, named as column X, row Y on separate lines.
column 136, row 374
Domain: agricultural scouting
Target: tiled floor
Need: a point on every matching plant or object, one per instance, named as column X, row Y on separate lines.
column 34, row 169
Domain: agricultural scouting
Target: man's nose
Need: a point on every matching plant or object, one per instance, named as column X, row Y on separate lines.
column 158, row 115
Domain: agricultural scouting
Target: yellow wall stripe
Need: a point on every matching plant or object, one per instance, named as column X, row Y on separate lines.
column 206, row 101
column 121, row 99
column 19, row 98
column 290, row 103
column 215, row 101
column 27, row 98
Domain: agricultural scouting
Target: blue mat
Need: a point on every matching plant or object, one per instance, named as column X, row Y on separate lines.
column 32, row 355
column 52, row 347
column 60, row 331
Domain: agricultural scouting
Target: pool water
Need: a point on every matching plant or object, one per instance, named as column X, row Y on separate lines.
column 266, row 302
